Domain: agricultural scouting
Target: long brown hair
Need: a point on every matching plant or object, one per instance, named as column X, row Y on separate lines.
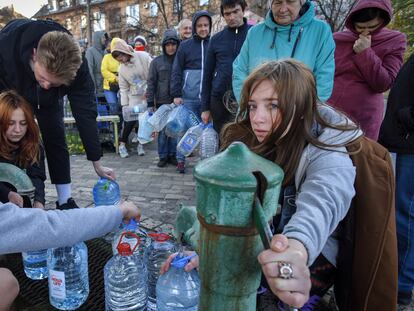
column 28, row 146
column 295, row 87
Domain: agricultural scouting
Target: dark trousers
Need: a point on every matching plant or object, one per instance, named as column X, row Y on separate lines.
column 126, row 130
column 52, row 128
column 219, row 113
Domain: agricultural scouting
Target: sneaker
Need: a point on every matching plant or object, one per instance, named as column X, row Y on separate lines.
column 172, row 160
column 140, row 150
column 181, row 167
column 70, row 204
column 123, row 152
column 162, row 162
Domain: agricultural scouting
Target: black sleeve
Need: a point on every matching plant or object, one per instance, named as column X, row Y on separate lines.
column 81, row 94
column 37, row 174
column 152, row 83
column 208, row 75
column 4, row 192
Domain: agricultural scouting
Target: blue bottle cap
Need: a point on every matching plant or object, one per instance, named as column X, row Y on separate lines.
column 131, row 226
column 180, row 262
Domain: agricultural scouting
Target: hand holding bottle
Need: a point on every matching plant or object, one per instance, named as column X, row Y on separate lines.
column 130, row 211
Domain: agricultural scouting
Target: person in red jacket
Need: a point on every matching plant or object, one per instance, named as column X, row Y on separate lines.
column 368, row 57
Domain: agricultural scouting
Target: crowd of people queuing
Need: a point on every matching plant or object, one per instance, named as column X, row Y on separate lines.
column 303, row 94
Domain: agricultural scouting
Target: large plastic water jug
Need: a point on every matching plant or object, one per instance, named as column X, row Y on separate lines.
column 68, row 276
column 106, row 192
column 190, row 140
column 125, row 278
column 35, row 264
column 145, row 129
column 160, row 249
column 159, row 119
column 178, row 290
column 208, row 142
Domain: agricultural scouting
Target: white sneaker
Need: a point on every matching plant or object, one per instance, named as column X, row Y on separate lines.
column 123, row 152
column 140, row 150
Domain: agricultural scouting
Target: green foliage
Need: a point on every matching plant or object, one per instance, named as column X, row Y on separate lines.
column 404, row 21
column 74, row 142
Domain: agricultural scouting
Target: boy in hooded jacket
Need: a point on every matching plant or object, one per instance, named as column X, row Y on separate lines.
column 158, row 92
column 188, row 70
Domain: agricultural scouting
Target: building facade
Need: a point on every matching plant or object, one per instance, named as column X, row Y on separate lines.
column 123, row 18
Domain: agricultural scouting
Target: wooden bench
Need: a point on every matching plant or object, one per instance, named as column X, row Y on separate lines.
column 111, row 118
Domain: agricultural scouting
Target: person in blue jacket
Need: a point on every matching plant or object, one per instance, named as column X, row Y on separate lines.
column 222, row 51
column 188, row 69
column 290, row 30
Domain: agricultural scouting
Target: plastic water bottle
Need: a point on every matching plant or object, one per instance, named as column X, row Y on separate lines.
column 135, row 229
column 190, row 140
column 159, row 119
column 131, row 113
column 177, row 122
column 106, row 192
column 192, row 119
column 145, row 129
column 160, row 249
column 125, row 278
column 138, row 87
column 178, row 290
column 68, row 276
column 35, row 264
column 208, row 142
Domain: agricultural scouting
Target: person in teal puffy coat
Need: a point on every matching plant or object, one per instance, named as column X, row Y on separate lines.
column 290, row 30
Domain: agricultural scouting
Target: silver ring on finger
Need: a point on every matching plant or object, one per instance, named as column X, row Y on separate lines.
column 285, row 270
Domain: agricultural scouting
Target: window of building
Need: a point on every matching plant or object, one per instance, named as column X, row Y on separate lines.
column 132, row 13
column 53, row 5
column 203, row 2
column 153, row 9
column 68, row 24
column 64, row 4
column 84, row 22
column 98, row 21
column 176, row 6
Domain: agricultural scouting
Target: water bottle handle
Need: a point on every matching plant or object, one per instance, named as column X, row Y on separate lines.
column 132, row 234
column 159, row 237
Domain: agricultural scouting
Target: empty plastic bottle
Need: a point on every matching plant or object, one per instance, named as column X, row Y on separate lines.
column 208, row 142
column 145, row 129
column 190, row 140
column 177, row 122
column 134, row 228
column 106, row 192
column 35, row 264
column 68, row 276
column 138, row 87
column 125, row 278
column 160, row 249
column 131, row 113
column 178, row 290
column 159, row 119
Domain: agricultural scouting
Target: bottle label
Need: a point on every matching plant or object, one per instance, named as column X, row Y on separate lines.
column 57, row 284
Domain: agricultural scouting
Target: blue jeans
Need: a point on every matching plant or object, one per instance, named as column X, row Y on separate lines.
column 167, row 146
column 404, row 201
column 194, row 106
column 112, row 100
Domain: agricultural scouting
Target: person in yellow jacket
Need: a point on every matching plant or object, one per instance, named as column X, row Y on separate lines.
column 109, row 69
